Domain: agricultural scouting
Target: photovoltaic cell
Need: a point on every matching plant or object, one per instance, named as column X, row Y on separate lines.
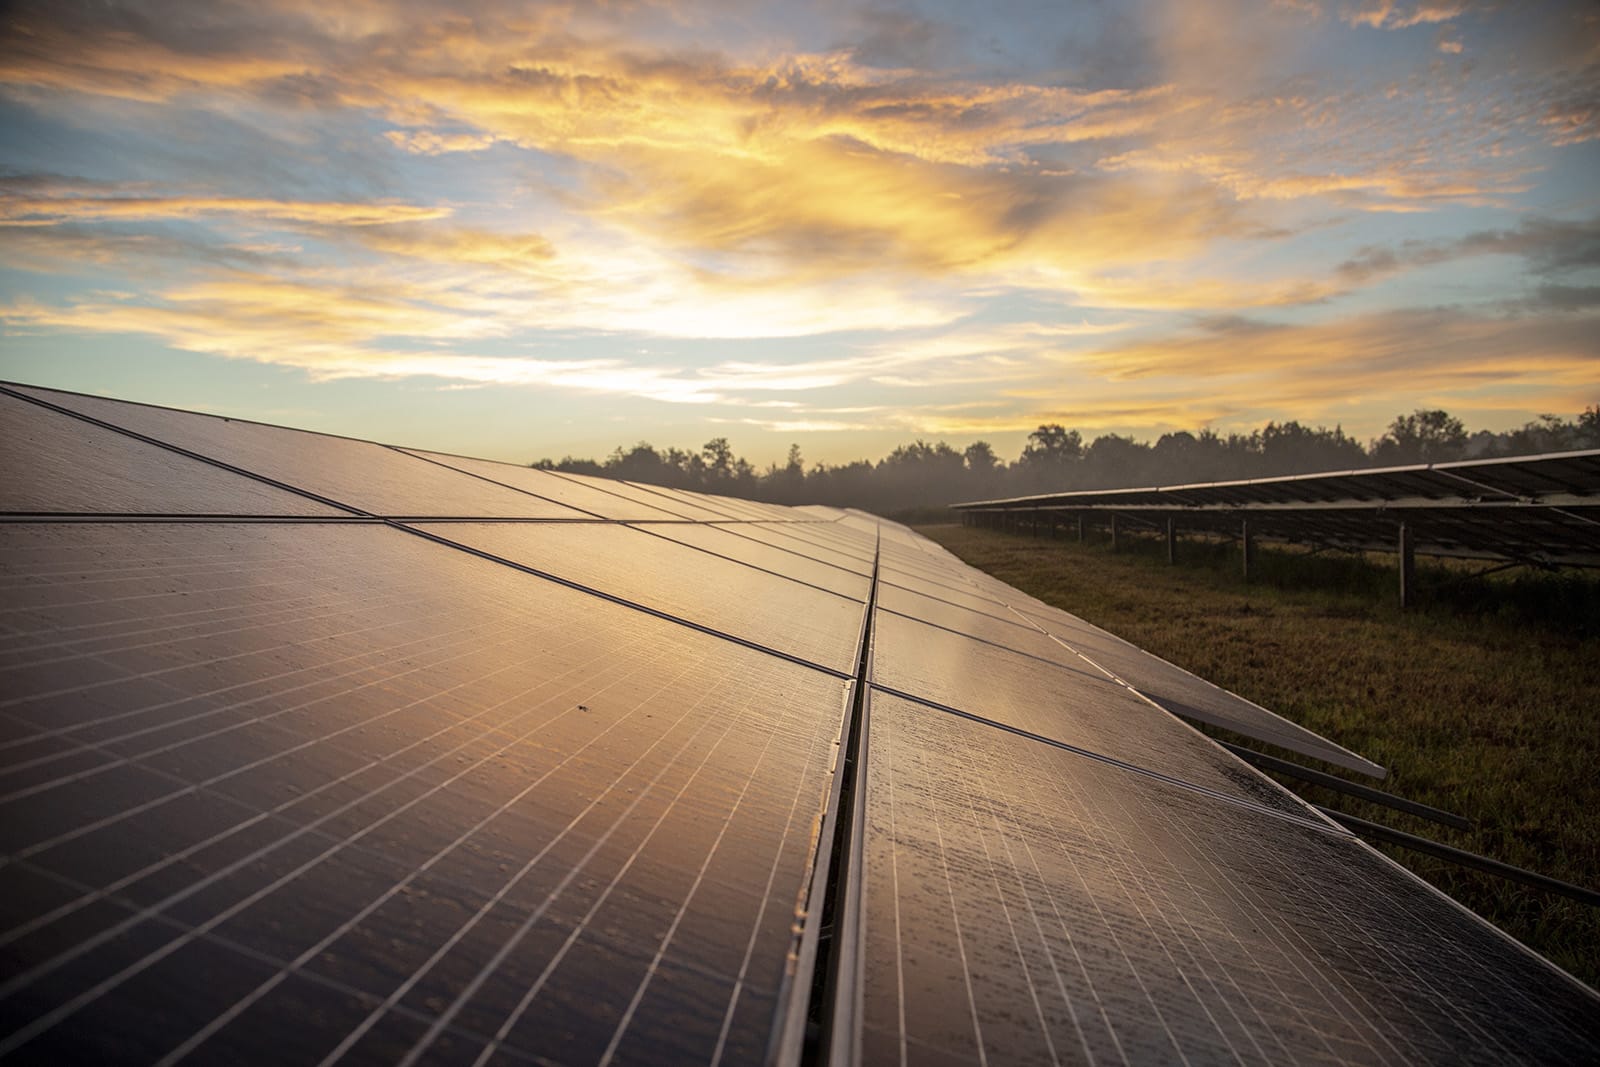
column 1025, row 905
column 54, row 463
column 373, row 478
column 448, row 807
column 774, row 612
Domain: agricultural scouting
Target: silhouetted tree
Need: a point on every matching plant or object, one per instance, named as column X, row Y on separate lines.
column 1422, row 437
column 1055, row 459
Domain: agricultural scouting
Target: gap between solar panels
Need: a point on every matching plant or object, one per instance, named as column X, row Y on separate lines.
column 819, row 1011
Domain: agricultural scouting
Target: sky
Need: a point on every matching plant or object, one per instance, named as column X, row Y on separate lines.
column 523, row 230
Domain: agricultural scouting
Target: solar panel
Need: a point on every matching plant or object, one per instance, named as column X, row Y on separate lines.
column 1024, row 904
column 1074, row 706
column 562, row 489
column 778, row 536
column 370, row 477
column 528, row 784
column 445, row 795
column 1187, row 695
column 725, row 541
column 775, row 612
column 53, row 463
column 1530, row 509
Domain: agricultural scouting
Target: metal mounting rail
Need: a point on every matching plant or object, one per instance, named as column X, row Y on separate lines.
column 820, row 1021
column 1363, row 828
column 1340, row 785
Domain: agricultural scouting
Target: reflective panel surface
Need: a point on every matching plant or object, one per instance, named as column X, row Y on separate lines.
column 556, row 487
column 373, row 478
column 337, row 787
column 50, row 462
column 1077, row 706
column 1026, row 905
column 729, row 597
column 724, row 540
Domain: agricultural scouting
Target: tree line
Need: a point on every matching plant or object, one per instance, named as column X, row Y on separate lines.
column 1056, row 459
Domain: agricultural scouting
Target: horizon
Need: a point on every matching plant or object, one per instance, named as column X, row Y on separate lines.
column 533, row 231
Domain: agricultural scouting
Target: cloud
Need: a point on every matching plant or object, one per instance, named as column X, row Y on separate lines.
column 18, row 210
column 1547, row 247
column 1404, row 351
column 1386, row 14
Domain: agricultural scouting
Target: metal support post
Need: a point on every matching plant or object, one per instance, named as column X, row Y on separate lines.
column 1033, row 526
column 1080, row 528
column 1248, row 544
column 1114, row 531
column 1172, row 540
column 1408, row 568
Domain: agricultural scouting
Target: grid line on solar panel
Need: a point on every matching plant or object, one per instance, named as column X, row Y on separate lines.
column 56, row 461
column 118, row 1041
column 1285, row 809
column 499, row 895
column 724, row 541
column 799, row 789
column 812, row 637
column 1290, row 944
column 730, row 557
column 1187, row 695
column 1077, row 705
column 354, row 475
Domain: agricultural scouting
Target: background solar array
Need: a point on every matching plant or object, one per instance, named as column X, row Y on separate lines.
column 313, row 749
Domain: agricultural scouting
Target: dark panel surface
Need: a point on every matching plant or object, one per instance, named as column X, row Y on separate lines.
column 789, row 537
column 775, row 612
column 362, row 475
column 1075, row 706
column 50, row 462
column 562, row 490
column 1027, row 905
column 1186, row 694
column 333, row 787
column 725, row 541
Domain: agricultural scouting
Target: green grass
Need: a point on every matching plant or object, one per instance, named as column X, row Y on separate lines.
column 1484, row 701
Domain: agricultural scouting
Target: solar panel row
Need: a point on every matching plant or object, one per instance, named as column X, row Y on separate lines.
column 314, row 749
column 1528, row 509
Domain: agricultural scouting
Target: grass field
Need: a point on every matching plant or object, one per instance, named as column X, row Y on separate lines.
column 1484, row 701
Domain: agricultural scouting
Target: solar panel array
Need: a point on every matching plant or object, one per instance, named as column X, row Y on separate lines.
column 1528, row 509
column 317, row 750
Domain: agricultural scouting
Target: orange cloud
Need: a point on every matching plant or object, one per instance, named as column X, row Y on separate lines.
column 52, row 210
